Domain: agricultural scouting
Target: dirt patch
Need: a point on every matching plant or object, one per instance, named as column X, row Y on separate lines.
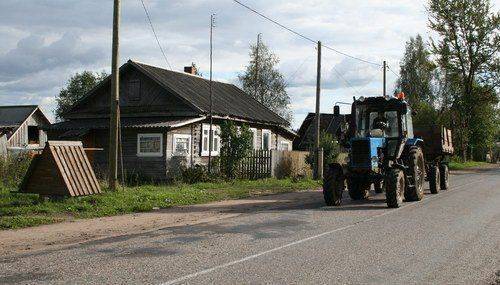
column 109, row 229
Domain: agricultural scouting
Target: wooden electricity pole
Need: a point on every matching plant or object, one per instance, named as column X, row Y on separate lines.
column 210, row 136
column 318, row 166
column 257, row 68
column 385, row 69
column 114, row 100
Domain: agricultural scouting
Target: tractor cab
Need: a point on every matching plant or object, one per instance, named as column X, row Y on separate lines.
column 380, row 128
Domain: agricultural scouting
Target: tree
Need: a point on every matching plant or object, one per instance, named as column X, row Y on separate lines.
column 416, row 73
column 262, row 75
column 467, row 50
column 76, row 87
column 235, row 145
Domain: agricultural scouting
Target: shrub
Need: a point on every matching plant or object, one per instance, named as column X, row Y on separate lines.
column 195, row 174
column 13, row 167
column 235, row 146
column 331, row 150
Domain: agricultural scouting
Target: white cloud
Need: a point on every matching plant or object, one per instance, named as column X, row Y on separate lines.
column 45, row 42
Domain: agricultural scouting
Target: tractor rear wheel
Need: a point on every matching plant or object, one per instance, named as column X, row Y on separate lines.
column 444, row 177
column 394, row 188
column 333, row 185
column 416, row 169
column 358, row 189
column 434, row 179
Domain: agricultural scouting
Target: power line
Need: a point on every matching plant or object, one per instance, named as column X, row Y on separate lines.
column 390, row 69
column 346, row 81
column 294, row 74
column 154, row 33
column 301, row 35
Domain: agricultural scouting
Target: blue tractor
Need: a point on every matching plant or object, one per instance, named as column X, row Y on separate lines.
column 382, row 151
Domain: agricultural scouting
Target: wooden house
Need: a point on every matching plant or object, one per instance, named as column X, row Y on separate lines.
column 164, row 120
column 22, row 128
column 328, row 124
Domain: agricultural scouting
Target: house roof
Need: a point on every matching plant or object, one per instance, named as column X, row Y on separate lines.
column 13, row 116
column 227, row 99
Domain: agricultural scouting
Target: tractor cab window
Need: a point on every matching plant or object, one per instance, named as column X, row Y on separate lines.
column 409, row 125
column 389, row 119
column 361, row 121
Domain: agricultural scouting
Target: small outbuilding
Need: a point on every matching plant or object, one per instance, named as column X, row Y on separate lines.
column 22, row 128
column 62, row 169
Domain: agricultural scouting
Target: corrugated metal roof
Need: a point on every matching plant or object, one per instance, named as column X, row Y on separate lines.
column 13, row 116
column 83, row 124
column 228, row 100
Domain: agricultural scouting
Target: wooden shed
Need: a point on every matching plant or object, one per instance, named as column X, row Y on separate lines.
column 62, row 169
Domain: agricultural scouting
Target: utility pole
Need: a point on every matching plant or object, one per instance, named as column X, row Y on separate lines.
column 257, row 68
column 318, row 168
column 210, row 136
column 114, row 100
column 385, row 70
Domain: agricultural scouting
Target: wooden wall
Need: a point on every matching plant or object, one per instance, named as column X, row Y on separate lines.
column 20, row 136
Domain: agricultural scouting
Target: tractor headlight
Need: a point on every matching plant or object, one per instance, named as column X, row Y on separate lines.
column 374, row 161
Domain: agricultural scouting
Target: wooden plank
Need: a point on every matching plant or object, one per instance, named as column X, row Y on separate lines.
column 73, row 172
column 89, row 170
column 61, row 169
column 80, row 170
column 65, row 170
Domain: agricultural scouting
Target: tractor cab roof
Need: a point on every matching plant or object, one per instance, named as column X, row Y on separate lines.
column 381, row 103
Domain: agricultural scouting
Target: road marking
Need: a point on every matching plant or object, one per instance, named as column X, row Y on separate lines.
column 212, row 269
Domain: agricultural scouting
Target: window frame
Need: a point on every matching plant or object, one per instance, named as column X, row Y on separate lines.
column 254, row 138
column 174, row 144
column 264, row 131
column 287, row 143
column 216, row 136
column 149, row 154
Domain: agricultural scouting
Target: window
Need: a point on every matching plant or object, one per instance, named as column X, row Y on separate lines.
column 134, row 89
column 266, row 139
column 205, row 140
column 254, row 138
column 33, row 135
column 149, row 144
column 285, row 145
column 181, row 145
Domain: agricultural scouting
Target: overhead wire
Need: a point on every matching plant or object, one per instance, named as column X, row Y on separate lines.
column 302, row 35
column 154, row 33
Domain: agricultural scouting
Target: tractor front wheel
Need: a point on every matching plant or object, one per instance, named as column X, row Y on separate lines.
column 358, row 189
column 416, row 165
column 434, row 179
column 333, row 185
column 394, row 188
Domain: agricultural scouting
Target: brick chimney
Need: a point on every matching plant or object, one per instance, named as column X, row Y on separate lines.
column 190, row 69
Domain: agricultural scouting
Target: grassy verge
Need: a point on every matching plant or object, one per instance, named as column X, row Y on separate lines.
column 25, row 210
column 455, row 165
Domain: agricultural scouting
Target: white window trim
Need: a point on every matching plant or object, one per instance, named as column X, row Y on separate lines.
column 150, row 154
column 287, row 144
column 254, row 138
column 215, row 129
column 270, row 139
column 174, row 144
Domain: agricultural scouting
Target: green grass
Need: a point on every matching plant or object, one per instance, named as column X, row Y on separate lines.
column 455, row 165
column 25, row 210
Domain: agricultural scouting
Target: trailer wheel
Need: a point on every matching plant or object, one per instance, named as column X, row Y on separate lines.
column 358, row 190
column 434, row 179
column 444, row 177
column 416, row 165
column 333, row 185
column 394, row 188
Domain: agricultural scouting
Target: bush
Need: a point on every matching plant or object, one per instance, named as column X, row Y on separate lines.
column 331, row 150
column 13, row 168
column 195, row 174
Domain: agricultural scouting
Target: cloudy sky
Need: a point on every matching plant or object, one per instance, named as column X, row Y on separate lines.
column 44, row 42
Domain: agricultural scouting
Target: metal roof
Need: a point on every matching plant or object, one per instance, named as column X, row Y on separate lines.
column 227, row 99
column 13, row 116
column 83, row 124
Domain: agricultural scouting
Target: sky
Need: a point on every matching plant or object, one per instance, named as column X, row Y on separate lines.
column 43, row 43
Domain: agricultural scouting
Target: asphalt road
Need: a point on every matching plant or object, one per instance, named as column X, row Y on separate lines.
column 449, row 238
